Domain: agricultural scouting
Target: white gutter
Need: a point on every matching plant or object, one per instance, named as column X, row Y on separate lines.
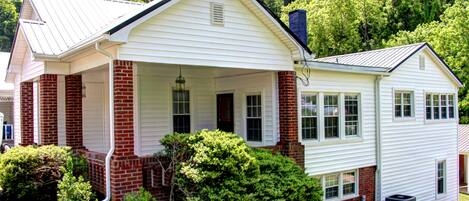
column 378, row 136
column 345, row 68
column 111, row 119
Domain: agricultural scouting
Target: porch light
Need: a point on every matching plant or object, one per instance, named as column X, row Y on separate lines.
column 180, row 81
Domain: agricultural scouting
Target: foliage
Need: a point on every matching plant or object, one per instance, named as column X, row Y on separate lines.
column 71, row 188
column 215, row 165
column 274, row 5
column 450, row 39
column 8, row 19
column 30, row 173
column 141, row 195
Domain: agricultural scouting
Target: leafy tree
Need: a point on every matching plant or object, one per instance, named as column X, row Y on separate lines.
column 450, row 39
column 8, row 19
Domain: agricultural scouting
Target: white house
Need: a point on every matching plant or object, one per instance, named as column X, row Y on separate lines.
column 114, row 83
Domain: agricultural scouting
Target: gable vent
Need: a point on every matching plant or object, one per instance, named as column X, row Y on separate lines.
column 422, row 62
column 217, row 14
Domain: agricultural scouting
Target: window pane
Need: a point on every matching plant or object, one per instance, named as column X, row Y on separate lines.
column 398, row 111
column 441, row 176
column 397, row 98
column 407, row 98
column 349, row 189
column 451, row 106
column 407, row 110
column 254, row 118
column 436, row 107
column 309, row 128
column 332, row 186
column 331, row 116
column 351, row 115
column 331, row 127
column 428, row 106
column 181, row 112
column 181, row 123
column 444, row 108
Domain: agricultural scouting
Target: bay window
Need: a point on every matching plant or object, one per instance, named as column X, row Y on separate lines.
column 342, row 185
column 327, row 116
column 439, row 106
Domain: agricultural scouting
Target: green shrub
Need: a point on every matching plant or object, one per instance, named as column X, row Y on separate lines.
column 141, row 195
column 72, row 188
column 214, row 165
column 30, row 173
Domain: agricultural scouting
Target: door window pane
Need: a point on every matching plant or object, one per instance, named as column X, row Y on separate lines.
column 254, row 118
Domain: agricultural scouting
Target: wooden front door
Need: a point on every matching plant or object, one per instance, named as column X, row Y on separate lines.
column 225, row 116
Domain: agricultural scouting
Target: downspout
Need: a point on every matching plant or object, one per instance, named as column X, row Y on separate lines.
column 111, row 118
column 378, row 136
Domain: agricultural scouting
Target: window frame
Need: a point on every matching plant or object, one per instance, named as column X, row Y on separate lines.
column 445, row 177
column 412, row 104
column 316, row 116
column 245, row 117
column 190, row 109
column 320, row 117
column 339, row 115
column 447, row 106
column 341, row 184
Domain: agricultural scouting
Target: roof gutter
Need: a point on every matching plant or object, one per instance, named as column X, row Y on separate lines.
column 345, row 68
column 111, row 117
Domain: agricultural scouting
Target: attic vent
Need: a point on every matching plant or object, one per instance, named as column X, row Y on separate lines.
column 217, row 13
column 422, row 62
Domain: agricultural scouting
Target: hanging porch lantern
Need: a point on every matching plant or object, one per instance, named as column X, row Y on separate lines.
column 180, row 81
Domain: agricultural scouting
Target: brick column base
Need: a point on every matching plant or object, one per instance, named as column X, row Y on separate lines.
column 126, row 176
column 294, row 150
column 27, row 116
column 48, row 109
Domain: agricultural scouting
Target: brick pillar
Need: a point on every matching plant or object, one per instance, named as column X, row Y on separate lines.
column 48, row 109
column 126, row 168
column 288, row 116
column 73, row 112
column 27, row 115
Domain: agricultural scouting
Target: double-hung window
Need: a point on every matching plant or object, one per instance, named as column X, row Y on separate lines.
column 309, row 116
column 439, row 106
column 181, row 111
column 403, row 104
column 343, row 185
column 331, row 116
column 441, row 177
column 327, row 116
column 254, row 118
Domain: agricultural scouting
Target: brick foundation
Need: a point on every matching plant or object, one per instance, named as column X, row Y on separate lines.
column 126, row 168
column 73, row 112
column 96, row 168
column 48, row 109
column 27, row 115
column 288, row 116
column 152, row 178
column 366, row 184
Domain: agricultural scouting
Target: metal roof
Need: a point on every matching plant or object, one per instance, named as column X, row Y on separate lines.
column 61, row 25
column 4, row 57
column 387, row 58
column 463, row 138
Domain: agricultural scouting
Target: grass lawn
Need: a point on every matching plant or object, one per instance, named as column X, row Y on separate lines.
column 463, row 197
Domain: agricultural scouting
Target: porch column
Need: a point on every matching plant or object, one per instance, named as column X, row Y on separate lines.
column 48, row 109
column 288, row 116
column 73, row 112
column 27, row 116
column 126, row 167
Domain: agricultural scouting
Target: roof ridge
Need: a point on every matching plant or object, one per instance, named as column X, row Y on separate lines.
column 126, row 2
column 376, row 50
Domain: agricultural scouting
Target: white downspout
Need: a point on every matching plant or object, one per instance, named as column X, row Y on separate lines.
column 378, row 137
column 111, row 119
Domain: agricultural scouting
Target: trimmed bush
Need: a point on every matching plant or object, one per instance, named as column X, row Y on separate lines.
column 72, row 188
column 141, row 195
column 215, row 165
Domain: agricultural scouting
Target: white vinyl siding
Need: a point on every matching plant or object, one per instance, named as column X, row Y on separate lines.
column 184, row 34
column 333, row 155
column 17, row 110
column 409, row 148
column 36, row 104
column 61, row 110
column 31, row 68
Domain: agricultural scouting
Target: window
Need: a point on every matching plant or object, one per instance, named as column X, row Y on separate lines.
column 351, row 115
column 309, row 116
column 403, row 104
column 254, row 118
column 341, row 185
column 331, row 116
column 181, row 112
column 439, row 106
column 441, row 177
column 8, row 132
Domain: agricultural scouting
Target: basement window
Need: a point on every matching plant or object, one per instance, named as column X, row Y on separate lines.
column 217, row 14
column 340, row 186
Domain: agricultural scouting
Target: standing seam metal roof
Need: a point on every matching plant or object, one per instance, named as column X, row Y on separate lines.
column 463, row 138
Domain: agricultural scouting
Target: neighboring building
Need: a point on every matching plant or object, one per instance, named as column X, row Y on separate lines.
column 6, row 101
column 463, row 144
column 369, row 124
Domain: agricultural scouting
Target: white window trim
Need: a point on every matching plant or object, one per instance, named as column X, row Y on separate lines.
column 341, row 185
column 191, row 108
column 245, row 113
column 412, row 102
column 440, row 195
column 440, row 120
column 320, row 119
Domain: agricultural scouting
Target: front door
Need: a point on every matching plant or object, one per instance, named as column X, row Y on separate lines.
column 225, row 116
